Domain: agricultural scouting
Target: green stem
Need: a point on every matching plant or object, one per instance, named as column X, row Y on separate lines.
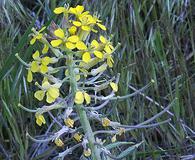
column 82, row 113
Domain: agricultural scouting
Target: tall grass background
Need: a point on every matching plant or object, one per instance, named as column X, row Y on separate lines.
column 157, row 42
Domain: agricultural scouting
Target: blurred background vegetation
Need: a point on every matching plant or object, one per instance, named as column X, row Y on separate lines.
column 157, row 42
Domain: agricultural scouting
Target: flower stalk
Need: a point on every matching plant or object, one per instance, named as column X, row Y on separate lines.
column 81, row 112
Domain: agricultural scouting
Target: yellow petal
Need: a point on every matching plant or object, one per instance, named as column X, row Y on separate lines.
column 72, row 10
column 95, row 44
column 69, row 122
column 53, row 92
column 56, row 43
column 77, row 23
column 59, row 33
column 73, row 39
column 103, row 39
column 86, row 57
column 45, row 49
column 87, row 152
column 114, row 86
column 34, row 67
column 40, row 119
column 59, row 10
column 86, row 28
column 72, row 30
column 49, row 99
column 87, row 98
column 39, row 95
column 98, row 54
column 79, row 98
column 81, row 46
column 107, row 49
column 36, row 55
column 58, row 142
column 70, row 45
column 43, row 69
column 79, row 9
column 33, row 40
column 46, row 60
column 105, row 122
column 29, row 76
column 101, row 26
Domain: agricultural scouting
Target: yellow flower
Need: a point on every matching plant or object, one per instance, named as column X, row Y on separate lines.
column 70, row 42
column 52, row 92
column 81, row 96
column 85, row 22
column 58, row 142
column 105, row 122
column 60, row 10
column 87, row 152
column 108, row 48
column 61, row 35
column 37, row 36
column 69, row 122
column 38, row 65
column 78, row 137
column 78, row 11
column 40, row 119
column 96, row 47
column 114, row 86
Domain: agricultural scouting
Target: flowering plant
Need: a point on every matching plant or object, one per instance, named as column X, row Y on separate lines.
column 71, row 69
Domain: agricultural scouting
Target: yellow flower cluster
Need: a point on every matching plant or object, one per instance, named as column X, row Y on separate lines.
column 91, row 54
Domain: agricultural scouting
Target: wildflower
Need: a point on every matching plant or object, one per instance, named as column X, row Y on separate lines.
column 51, row 91
column 40, row 119
column 105, row 122
column 69, row 122
column 114, row 86
column 80, row 97
column 78, row 137
column 37, row 36
column 87, row 152
column 38, row 65
column 58, row 142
